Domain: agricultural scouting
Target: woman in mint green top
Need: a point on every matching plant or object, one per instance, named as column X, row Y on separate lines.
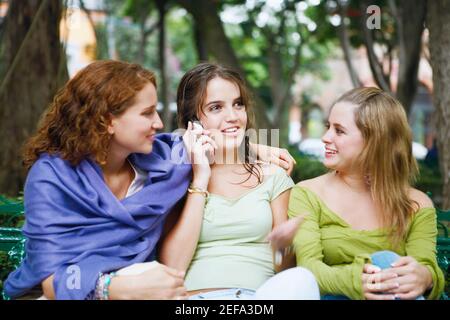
column 220, row 237
column 233, row 237
column 366, row 205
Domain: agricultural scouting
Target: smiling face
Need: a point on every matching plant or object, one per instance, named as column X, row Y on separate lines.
column 223, row 113
column 343, row 140
column 134, row 130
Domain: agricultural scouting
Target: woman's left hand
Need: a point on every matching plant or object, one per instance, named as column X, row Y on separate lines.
column 413, row 278
column 277, row 156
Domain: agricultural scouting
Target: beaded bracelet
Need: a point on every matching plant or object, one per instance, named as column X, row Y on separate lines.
column 99, row 287
column 106, row 284
column 102, row 288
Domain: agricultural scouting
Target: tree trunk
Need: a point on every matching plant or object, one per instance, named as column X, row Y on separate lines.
column 164, row 87
column 376, row 66
column 210, row 28
column 145, row 31
column 410, row 17
column 280, row 93
column 345, row 45
column 32, row 69
column 438, row 21
column 88, row 14
column 277, row 84
column 410, row 24
column 140, row 56
column 202, row 52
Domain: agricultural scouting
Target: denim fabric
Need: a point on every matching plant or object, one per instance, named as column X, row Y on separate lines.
column 333, row 297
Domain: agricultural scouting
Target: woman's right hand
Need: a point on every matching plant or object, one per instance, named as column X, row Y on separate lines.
column 375, row 284
column 198, row 144
column 158, row 283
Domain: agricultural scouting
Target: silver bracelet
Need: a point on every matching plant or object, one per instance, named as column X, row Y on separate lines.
column 99, row 287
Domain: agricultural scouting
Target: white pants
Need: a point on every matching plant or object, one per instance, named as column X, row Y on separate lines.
column 292, row 284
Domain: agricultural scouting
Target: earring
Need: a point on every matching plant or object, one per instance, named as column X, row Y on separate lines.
column 367, row 180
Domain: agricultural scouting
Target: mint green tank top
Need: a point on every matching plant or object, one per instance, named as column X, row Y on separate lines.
column 232, row 249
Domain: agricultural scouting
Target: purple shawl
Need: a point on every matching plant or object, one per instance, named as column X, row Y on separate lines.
column 75, row 227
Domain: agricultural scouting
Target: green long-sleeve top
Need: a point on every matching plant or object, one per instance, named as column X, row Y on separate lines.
column 335, row 253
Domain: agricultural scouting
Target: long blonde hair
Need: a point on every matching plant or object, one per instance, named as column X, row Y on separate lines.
column 386, row 157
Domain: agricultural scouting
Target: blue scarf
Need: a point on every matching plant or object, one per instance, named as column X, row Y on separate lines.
column 76, row 228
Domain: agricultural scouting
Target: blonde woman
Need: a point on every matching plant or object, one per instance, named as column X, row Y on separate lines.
column 367, row 233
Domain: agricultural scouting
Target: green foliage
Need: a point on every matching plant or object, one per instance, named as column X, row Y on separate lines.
column 181, row 53
column 6, row 267
column 252, row 41
column 11, row 213
column 180, row 35
column 430, row 181
column 307, row 167
column 136, row 8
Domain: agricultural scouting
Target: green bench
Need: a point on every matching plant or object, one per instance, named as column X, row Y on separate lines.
column 12, row 241
column 443, row 248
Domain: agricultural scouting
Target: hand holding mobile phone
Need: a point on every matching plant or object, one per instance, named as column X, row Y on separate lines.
column 197, row 125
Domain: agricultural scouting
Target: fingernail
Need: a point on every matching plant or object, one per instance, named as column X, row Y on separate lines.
column 393, row 264
column 375, row 269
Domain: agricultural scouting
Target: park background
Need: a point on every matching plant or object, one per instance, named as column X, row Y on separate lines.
column 297, row 56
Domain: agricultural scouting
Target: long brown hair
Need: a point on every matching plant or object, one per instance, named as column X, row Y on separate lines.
column 75, row 124
column 386, row 157
column 191, row 96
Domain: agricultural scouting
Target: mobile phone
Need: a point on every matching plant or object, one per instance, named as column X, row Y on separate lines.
column 196, row 124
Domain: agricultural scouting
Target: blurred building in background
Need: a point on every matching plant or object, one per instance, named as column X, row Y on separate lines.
column 78, row 33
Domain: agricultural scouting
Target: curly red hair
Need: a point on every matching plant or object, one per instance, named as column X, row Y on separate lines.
column 75, row 124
